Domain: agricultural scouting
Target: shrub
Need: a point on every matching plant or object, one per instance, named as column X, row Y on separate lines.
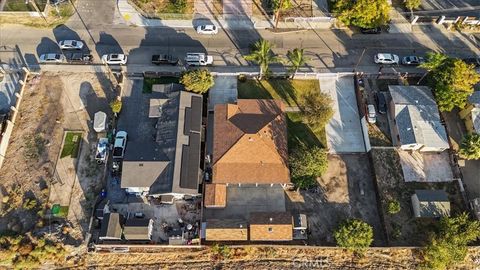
column 354, row 234
column 198, row 81
column 316, row 108
column 116, row 106
column 470, row 147
column 306, row 164
column 221, row 251
column 393, row 207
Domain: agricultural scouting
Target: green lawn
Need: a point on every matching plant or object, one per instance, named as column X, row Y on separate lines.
column 287, row 90
column 149, row 82
column 71, row 144
column 300, row 133
column 19, row 5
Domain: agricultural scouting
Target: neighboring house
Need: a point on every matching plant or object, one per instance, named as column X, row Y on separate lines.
column 417, row 119
column 430, row 203
column 111, row 228
column 249, row 164
column 171, row 164
column 275, row 226
column 226, row 230
column 138, row 229
column 471, row 113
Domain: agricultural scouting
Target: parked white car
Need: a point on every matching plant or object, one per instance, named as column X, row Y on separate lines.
column 119, row 144
column 198, row 59
column 52, row 58
column 208, row 29
column 70, row 45
column 371, row 114
column 114, row 59
column 386, row 58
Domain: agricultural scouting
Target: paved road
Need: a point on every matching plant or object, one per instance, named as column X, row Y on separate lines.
column 325, row 49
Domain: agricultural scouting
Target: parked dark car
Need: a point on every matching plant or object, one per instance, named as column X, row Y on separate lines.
column 164, row 59
column 381, row 103
column 472, row 61
column 412, row 60
column 376, row 30
column 79, row 58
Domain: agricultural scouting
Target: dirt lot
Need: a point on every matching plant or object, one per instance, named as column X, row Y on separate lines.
column 402, row 228
column 268, row 257
column 50, row 105
column 346, row 191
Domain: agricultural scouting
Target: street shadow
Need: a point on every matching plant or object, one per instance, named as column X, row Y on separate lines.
column 47, row 45
column 64, row 32
column 107, row 44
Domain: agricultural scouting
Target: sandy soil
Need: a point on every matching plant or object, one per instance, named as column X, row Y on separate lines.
column 51, row 104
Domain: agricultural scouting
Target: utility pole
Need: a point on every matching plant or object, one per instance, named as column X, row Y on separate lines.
column 36, row 9
column 277, row 14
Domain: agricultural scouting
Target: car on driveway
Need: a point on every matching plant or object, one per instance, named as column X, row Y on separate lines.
column 164, row 59
column 70, row 45
column 119, row 144
column 114, row 59
column 52, row 58
column 371, row 114
column 412, row 60
column 381, row 102
column 208, row 29
column 386, row 58
column 376, row 30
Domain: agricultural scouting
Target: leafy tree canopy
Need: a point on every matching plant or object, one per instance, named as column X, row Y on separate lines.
column 449, row 245
column 470, row 147
column 451, row 79
column 198, row 81
column 316, row 107
column 306, row 164
column 412, row 4
column 362, row 13
column 354, row 235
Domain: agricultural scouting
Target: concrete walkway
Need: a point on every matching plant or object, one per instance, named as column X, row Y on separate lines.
column 132, row 17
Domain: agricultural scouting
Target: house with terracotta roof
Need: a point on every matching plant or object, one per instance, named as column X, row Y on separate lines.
column 249, row 162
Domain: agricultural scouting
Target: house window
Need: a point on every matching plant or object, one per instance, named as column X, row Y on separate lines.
column 270, row 229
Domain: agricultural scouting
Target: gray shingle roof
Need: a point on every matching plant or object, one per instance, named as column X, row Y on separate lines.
column 161, row 164
column 417, row 116
column 474, row 98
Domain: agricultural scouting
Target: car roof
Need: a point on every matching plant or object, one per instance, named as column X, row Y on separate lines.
column 208, row 26
column 385, row 56
column 121, row 133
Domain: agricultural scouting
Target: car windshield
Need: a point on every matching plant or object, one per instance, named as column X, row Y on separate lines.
column 74, row 43
column 114, row 56
column 57, row 56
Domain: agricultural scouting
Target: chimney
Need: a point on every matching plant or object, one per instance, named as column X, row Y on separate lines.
column 231, row 110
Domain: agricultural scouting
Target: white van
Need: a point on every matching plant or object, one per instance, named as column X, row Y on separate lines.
column 198, row 59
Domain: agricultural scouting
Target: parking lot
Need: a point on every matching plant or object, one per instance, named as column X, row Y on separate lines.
column 346, row 190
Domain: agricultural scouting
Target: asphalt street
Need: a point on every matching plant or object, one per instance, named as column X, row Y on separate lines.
column 325, row 49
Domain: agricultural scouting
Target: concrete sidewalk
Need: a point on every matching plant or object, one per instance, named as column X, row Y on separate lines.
column 132, row 17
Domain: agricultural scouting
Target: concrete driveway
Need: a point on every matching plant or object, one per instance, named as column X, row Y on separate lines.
column 344, row 132
column 223, row 91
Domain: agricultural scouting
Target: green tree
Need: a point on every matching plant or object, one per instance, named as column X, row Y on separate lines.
column 362, row 13
column 449, row 245
column 393, row 207
column 354, row 235
column 297, row 59
column 316, row 108
column 451, row 79
column 262, row 55
column 412, row 4
column 306, row 164
column 116, row 106
column 470, row 147
column 198, row 80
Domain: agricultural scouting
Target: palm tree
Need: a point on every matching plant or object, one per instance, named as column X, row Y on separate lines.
column 297, row 59
column 262, row 55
